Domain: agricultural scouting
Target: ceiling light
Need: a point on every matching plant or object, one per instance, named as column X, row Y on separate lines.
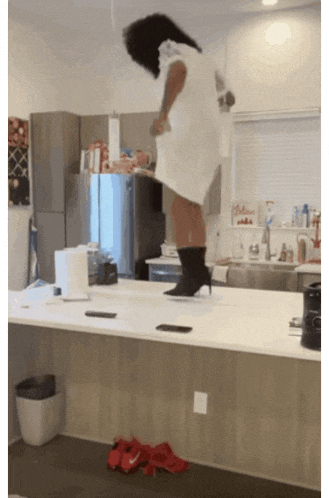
column 278, row 33
column 269, row 2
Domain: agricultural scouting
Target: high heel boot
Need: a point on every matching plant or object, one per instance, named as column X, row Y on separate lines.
column 194, row 272
column 184, row 259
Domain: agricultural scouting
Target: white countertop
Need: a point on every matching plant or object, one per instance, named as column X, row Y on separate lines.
column 309, row 268
column 164, row 260
column 245, row 320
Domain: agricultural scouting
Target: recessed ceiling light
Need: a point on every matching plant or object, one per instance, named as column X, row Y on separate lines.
column 278, row 33
column 269, row 2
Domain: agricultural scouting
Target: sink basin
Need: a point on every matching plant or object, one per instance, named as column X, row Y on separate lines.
column 256, row 265
column 262, row 275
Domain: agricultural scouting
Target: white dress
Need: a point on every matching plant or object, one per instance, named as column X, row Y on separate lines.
column 189, row 154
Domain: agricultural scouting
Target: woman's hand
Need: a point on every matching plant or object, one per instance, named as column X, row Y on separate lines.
column 160, row 125
column 226, row 102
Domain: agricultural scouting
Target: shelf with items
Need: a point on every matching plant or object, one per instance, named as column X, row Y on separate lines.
column 258, row 214
column 260, row 227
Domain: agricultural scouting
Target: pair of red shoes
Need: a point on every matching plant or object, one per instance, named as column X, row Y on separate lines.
column 129, row 456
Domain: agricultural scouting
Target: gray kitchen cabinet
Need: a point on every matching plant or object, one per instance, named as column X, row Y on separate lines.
column 55, row 153
column 135, row 131
column 51, row 238
column 55, row 150
column 94, row 128
column 306, row 279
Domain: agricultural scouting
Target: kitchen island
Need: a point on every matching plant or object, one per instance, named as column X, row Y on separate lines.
column 123, row 376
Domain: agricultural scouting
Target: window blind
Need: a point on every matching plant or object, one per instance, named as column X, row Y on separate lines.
column 279, row 160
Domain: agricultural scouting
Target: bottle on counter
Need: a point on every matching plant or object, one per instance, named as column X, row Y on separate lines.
column 295, row 217
column 305, row 216
column 312, row 216
column 301, row 247
column 290, row 254
column 283, row 256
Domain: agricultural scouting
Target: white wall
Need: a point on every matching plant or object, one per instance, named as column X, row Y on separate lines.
column 269, row 75
column 32, row 74
column 39, row 82
column 263, row 76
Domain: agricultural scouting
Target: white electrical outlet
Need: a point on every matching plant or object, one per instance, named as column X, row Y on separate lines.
column 200, row 403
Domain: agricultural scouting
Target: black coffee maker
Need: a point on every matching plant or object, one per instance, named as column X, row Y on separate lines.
column 311, row 323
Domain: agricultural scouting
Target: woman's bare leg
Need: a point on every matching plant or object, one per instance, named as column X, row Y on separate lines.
column 182, row 222
column 189, row 225
column 198, row 226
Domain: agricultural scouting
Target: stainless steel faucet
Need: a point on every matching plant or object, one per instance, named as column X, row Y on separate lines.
column 266, row 240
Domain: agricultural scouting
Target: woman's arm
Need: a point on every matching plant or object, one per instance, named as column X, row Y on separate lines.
column 173, row 86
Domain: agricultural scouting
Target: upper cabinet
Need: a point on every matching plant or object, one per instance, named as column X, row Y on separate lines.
column 55, row 142
column 94, row 128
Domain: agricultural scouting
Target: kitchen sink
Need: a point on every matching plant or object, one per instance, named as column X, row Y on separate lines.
column 262, row 275
column 256, row 265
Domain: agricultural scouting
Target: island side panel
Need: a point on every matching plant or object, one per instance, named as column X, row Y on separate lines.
column 263, row 412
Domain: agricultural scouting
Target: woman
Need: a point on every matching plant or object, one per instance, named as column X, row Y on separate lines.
column 187, row 132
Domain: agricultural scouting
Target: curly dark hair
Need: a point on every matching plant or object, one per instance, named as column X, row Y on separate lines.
column 143, row 37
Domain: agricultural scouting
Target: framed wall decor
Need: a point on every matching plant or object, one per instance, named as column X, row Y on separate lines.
column 18, row 174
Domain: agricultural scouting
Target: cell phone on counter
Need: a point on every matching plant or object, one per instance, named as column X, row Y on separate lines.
column 100, row 314
column 173, row 328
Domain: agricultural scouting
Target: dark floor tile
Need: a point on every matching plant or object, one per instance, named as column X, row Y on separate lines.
column 73, row 468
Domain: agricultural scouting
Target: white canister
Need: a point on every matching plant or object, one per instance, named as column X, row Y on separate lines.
column 71, row 267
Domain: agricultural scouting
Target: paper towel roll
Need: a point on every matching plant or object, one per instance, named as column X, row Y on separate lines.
column 71, row 267
column 114, row 139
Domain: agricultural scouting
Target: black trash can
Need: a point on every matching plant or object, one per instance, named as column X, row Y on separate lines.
column 39, row 387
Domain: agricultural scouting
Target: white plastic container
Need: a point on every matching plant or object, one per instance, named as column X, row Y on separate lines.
column 40, row 420
column 169, row 250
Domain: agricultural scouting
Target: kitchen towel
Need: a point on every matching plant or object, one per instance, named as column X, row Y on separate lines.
column 220, row 274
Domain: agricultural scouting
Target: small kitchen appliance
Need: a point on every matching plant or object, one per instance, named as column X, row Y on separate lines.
column 311, row 322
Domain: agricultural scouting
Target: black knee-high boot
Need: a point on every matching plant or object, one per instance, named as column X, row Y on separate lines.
column 194, row 272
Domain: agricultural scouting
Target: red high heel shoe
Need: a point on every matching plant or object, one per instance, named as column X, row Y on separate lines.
column 115, row 455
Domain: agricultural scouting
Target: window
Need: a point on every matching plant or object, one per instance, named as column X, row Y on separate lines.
column 279, row 160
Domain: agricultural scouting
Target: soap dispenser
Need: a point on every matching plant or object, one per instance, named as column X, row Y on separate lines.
column 283, row 256
column 290, row 254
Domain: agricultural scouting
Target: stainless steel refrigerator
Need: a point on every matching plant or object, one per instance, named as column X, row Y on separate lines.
column 123, row 213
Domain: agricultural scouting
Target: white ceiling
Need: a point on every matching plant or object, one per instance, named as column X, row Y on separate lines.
column 76, row 31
